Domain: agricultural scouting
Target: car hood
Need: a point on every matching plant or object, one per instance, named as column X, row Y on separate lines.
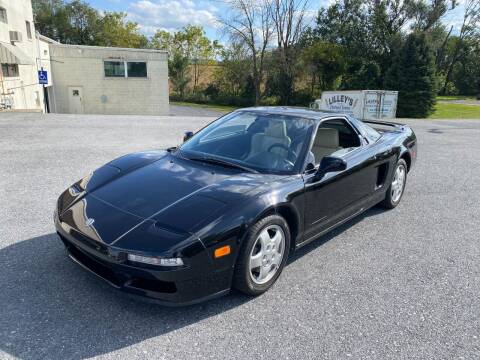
column 180, row 194
column 154, row 201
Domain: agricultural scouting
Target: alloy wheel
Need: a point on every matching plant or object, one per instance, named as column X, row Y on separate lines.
column 267, row 254
column 398, row 183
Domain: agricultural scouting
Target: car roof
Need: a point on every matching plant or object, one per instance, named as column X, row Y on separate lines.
column 293, row 111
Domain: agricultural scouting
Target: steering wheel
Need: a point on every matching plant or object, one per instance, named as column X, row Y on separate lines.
column 290, row 154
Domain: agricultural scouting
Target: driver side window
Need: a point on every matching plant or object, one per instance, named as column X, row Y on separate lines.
column 334, row 137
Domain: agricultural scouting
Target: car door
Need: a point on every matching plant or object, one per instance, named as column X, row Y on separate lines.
column 339, row 195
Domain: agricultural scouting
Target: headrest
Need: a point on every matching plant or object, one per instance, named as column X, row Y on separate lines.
column 276, row 129
column 327, row 138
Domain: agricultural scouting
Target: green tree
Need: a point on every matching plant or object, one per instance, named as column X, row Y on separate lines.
column 466, row 73
column 371, row 31
column 469, row 32
column 234, row 70
column 362, row 74
column 198, row 48
column 116, row 31
column 413, row 75
column 82, row 24
column 289, row 24
column 178, row 70
column 346, row 23
column 250, row 23
column 325, row 63
column 76, row 22
column 58, row 21
column 163, row 40
column 189, row 43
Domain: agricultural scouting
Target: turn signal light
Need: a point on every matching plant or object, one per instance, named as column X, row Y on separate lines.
column 222, row 251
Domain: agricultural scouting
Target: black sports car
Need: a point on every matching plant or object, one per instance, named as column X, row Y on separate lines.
column 227, row 207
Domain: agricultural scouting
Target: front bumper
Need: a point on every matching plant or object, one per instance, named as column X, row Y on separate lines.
column 196, row 282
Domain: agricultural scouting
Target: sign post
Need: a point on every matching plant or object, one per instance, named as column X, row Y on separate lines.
column 43, row 80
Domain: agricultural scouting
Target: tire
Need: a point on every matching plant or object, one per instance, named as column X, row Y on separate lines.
column 255, row 281
column 392, row 198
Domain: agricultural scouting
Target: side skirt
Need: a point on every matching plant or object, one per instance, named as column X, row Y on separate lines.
column 374, row 201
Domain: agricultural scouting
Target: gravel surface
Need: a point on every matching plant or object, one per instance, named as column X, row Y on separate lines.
column 399, row 284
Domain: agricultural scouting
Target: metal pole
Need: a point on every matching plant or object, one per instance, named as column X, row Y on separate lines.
column 45, row 105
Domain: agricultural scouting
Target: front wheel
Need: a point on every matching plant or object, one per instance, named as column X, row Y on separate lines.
column 395, row 191
column 262, row 256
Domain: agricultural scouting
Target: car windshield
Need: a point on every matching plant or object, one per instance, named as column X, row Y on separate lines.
column 268, row 143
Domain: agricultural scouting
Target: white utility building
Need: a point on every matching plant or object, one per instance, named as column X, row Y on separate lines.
column 20, row 57
column 98, row 80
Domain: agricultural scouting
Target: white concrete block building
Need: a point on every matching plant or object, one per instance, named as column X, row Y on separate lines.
column 81, row 79
column 98, row 80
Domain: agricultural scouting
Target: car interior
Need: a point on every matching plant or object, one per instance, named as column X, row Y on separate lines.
column 333, row 138
column 274, row 139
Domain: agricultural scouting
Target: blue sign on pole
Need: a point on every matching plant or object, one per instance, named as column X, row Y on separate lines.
column 42, row 77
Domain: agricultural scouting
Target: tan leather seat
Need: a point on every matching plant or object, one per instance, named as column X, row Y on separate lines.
column 326, row 143
column 275, row 133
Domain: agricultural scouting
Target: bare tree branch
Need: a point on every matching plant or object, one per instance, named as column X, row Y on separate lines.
column 250, row 22
column 288, row 18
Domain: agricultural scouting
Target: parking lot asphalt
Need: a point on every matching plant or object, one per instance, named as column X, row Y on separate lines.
column 398, row 284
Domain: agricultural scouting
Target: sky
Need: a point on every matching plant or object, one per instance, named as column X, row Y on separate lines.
column 172, row 15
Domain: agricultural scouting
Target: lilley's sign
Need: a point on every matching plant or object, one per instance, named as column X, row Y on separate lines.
column 344, row 99
column 363, row 104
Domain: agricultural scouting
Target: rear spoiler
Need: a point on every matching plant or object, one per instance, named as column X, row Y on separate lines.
column 386, row 123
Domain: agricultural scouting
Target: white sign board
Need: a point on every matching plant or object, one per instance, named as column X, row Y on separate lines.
column 362, row 104
column 380, row 105
column 348, row 102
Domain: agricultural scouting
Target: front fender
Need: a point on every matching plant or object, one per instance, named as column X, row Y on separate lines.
column 232, row 226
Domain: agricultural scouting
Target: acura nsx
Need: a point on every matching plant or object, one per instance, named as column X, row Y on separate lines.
column 225, row 208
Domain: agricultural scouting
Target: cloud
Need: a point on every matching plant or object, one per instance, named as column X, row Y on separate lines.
column 170, row 15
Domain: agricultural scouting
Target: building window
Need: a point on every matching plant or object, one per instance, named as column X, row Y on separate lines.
column 3, row 15
column 125, row 69
column 114, row 68
column 10, row 70
column 29, row 29
column 136, row 69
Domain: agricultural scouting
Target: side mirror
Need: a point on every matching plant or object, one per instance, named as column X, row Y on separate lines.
column 187, row 135
column 330, row 164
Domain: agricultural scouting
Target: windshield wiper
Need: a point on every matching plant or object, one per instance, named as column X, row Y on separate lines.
column 222, row 162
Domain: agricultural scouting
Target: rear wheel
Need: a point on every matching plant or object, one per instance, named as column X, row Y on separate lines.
column 262, row 256
column 395, row 191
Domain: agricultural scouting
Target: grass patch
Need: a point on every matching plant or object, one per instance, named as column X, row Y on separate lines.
column 222, row 108
column 455, row 97
column 455, row 111
column 442, row 110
